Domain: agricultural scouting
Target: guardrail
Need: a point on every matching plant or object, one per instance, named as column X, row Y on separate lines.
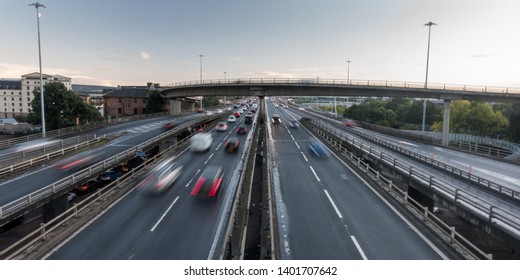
column 100, row 196
column 494, row 214
column 72, row 129
column 36, row 160
column 446, row 167
column 431, row 160
column 350, row 82
column 411, row 204
column 46, row 192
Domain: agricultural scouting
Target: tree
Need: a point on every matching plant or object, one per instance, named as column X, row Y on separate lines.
column 372, row 111
column 155, row 103
column 62, row 107
column 477, row 118
column 210, row 101
column 512, row 113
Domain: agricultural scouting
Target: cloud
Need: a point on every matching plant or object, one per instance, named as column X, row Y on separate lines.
column 484, row 55
column 236, row 58
column 145, row 55
column 278, row 74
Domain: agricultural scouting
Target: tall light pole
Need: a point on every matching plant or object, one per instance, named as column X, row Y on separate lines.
column 429, row 24
column 201, row 97
column 38, row 5
column 225, row 80
column 348, row 76
column 348, row 70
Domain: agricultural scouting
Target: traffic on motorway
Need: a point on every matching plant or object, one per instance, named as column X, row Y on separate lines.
column 180, row 206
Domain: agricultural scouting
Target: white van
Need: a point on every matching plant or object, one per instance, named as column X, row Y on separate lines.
column 201, row 142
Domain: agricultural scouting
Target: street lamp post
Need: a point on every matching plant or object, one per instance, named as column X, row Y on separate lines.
column 348, row 71
column 429, row 24
column 348, row 76
column 225, row 80
column 201, row 97
column 37, row 6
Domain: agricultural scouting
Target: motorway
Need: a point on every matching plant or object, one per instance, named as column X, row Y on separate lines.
column 173, row 225
column 327, row 211
column 131, row 134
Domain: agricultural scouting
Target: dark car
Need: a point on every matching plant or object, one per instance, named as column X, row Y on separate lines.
column 232, row 145
column 242, row 129
column 110, row 175
column 169, row 126
column 317, row 148
column 87, row 186
column 209, row 182
column 249, row 118
column 277, row 119
column 293, row 124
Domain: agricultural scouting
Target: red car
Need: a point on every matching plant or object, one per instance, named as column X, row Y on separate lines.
column 236, row 114
column 208, row 184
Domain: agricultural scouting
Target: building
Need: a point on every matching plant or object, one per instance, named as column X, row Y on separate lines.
column 16, row 95
column 127, row 100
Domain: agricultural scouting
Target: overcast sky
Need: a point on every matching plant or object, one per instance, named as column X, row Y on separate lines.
column 131, row 42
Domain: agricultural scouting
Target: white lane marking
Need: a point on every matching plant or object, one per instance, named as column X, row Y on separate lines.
column 412, row 227
column 315, row 175
column 209, row 158
column 297, row 145
column 192, row 178
column 333, row 204
column 293, row 138
column 218, row 146
column 164, row 214
column 360, row 250
column 304, row 157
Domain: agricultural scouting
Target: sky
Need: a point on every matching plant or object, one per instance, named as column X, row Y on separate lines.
column 132, row 42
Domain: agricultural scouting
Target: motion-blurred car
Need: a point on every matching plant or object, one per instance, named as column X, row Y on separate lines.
column 110, row 175
column 232, row 144
column 71, row 196
column 161, row 177
column 236, row 114
column 209, row 182
column 221, row 126
column 87, row 186
column 277, row 119
column 231, row 119
column 293, row 124
column 249, row 118
column 351, row 123
column 201, row 142
column 317, row 148
column 242, row 129
column 168, row 126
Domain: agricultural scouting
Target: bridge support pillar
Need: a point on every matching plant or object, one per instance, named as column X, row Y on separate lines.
column 446, row 123
column 175, row 107
column 193, row 107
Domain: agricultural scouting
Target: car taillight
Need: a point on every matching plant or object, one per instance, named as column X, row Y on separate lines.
column 214, row 187
column 197, row 187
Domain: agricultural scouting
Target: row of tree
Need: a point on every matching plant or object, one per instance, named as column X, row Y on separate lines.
column 468, row 117
column 63, row 108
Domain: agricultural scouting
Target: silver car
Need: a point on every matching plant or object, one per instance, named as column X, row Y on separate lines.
column 161, row 177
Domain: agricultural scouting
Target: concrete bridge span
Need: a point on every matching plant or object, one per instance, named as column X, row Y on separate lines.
column 335, row 87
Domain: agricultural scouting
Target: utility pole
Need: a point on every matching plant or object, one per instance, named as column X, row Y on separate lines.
column 37, row 6
column 201, row 97
column 429, row 24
